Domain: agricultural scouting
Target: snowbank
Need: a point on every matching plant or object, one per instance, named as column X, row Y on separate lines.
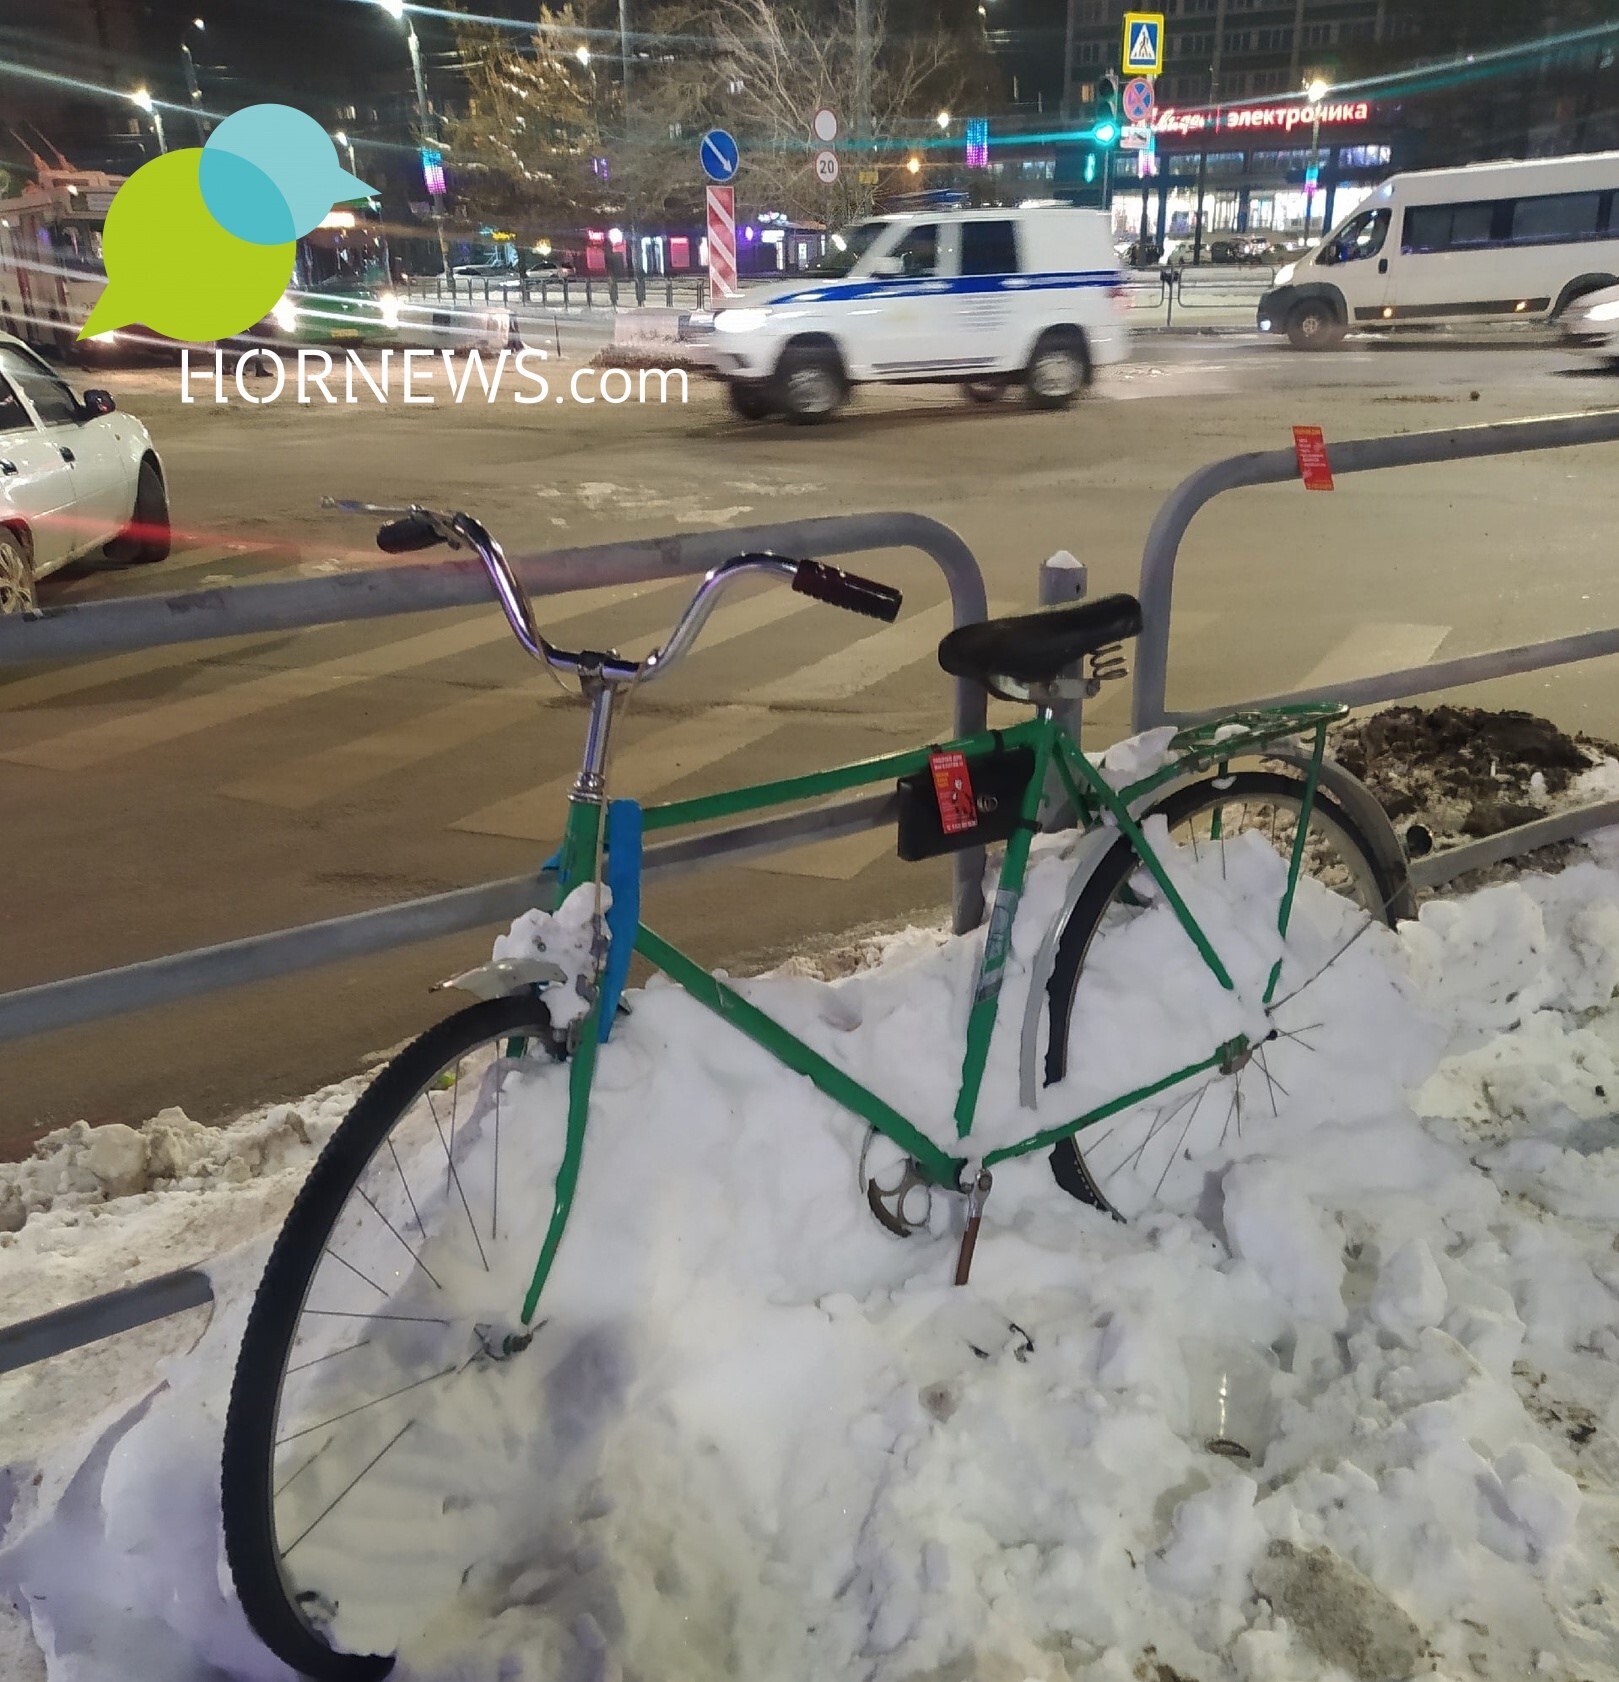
column 1344, row 1404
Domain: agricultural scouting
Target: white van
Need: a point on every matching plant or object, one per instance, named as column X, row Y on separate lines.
column 982, row 298
column 1490, row 242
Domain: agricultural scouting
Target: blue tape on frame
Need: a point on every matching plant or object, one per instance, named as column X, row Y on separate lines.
column 622, row 874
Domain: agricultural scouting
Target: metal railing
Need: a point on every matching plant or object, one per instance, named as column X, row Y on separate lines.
column 562, row 291
column 1274, row 467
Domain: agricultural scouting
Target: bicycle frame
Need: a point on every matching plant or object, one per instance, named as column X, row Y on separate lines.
column 1094, row 800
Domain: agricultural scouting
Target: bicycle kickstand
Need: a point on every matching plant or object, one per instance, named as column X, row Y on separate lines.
column 976, row 1200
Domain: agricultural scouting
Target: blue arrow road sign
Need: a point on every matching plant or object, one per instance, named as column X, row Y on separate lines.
column 718, row 154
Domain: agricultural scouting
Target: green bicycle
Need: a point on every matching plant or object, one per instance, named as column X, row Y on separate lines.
column 405, row 1288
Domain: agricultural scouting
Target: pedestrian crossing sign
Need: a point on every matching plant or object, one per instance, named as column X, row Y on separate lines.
column 1143, row 43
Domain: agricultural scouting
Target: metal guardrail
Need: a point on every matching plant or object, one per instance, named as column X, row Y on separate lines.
column 145, row 622
column 564, row 291
column 89, row 1321
column 1274, row 467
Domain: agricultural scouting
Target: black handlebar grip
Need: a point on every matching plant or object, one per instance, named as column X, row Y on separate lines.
column 847, row 590
column 399, row 537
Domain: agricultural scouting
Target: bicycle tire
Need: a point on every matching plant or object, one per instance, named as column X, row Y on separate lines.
column 248, row 1462
column 1068, row 1161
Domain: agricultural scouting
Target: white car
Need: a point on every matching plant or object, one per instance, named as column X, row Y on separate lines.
column 76, row 476
column 981, row 298
column 1591, row 324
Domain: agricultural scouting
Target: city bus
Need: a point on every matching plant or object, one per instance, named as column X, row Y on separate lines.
column 51, row 271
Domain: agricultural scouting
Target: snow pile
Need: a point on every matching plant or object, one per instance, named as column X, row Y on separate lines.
column 1340, row 1402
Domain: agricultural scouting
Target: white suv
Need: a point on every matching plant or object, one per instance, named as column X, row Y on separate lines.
column 983, row 298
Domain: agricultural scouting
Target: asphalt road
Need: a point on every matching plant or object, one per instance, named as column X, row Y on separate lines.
column 165, row 799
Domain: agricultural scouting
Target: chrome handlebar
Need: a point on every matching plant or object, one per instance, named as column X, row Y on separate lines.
column 421, row 528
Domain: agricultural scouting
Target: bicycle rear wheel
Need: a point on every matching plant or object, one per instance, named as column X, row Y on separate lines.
column 1124, row 1163
column 375, row 1365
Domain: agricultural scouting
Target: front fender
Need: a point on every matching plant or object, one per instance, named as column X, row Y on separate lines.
column 1279, row 303
column 504, row 976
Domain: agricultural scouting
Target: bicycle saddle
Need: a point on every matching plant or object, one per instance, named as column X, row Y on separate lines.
column 1037, row 647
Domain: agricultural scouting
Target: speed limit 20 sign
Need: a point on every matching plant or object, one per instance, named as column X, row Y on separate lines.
column 826, row 167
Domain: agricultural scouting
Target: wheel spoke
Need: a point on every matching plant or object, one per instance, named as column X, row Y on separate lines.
column 323, row 1513
column 1180, row 1142
column 376, row 1401
column 454, row 1178
column 414, row 1255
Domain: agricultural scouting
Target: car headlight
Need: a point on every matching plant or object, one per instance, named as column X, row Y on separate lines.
column 1284, row 275
column 740, row 320
column 390, row 309
column 285, row 314
column 1603, row 312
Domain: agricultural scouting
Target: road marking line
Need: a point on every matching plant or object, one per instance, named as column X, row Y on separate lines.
column 1375, row 647
column 329, row 773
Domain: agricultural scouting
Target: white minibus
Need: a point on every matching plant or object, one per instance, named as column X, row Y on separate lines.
column 1488, row 242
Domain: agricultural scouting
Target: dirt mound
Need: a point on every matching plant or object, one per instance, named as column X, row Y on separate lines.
column 1461, row 770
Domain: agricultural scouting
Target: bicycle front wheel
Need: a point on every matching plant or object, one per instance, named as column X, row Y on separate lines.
column 382, row 1352
column 1127, row 1162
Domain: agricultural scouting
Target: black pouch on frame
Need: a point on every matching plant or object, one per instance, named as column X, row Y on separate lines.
column 998, row 780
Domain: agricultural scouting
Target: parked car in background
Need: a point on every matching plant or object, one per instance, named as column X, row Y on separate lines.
column 1238, row 248
column 76, row 476
column 1592, row 324
column 347, row 310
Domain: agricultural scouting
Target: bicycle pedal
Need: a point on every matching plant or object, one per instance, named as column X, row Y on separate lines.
column 888, row 1203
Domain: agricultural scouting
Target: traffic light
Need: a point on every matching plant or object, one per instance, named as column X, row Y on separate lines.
column 1105, row 124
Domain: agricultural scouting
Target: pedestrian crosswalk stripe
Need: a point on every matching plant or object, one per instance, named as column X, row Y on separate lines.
column 663, row 757
column 1374, row 647
column 95, row 744
column 37, row 688
column 330, row 773
column 129, row 732
column 669, row 755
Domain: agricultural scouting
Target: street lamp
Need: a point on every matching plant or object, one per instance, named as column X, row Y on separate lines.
column 1314, row 92
column 189, row 65
column 396, row 10
column 141, row 98
column 913, row 166
column 943, row 119
column 583, row 55
column 348, row 146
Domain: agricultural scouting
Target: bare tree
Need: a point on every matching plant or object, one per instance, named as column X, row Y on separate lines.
column 778, row 63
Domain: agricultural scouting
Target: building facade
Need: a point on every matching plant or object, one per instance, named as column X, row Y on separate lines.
column 1238, row 148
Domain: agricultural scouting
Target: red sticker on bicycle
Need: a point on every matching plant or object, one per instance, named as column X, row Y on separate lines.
column 953, row 789
column 1310, row 445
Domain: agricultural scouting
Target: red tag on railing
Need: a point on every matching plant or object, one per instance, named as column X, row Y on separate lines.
column 953, row 789
column 1310, row 445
